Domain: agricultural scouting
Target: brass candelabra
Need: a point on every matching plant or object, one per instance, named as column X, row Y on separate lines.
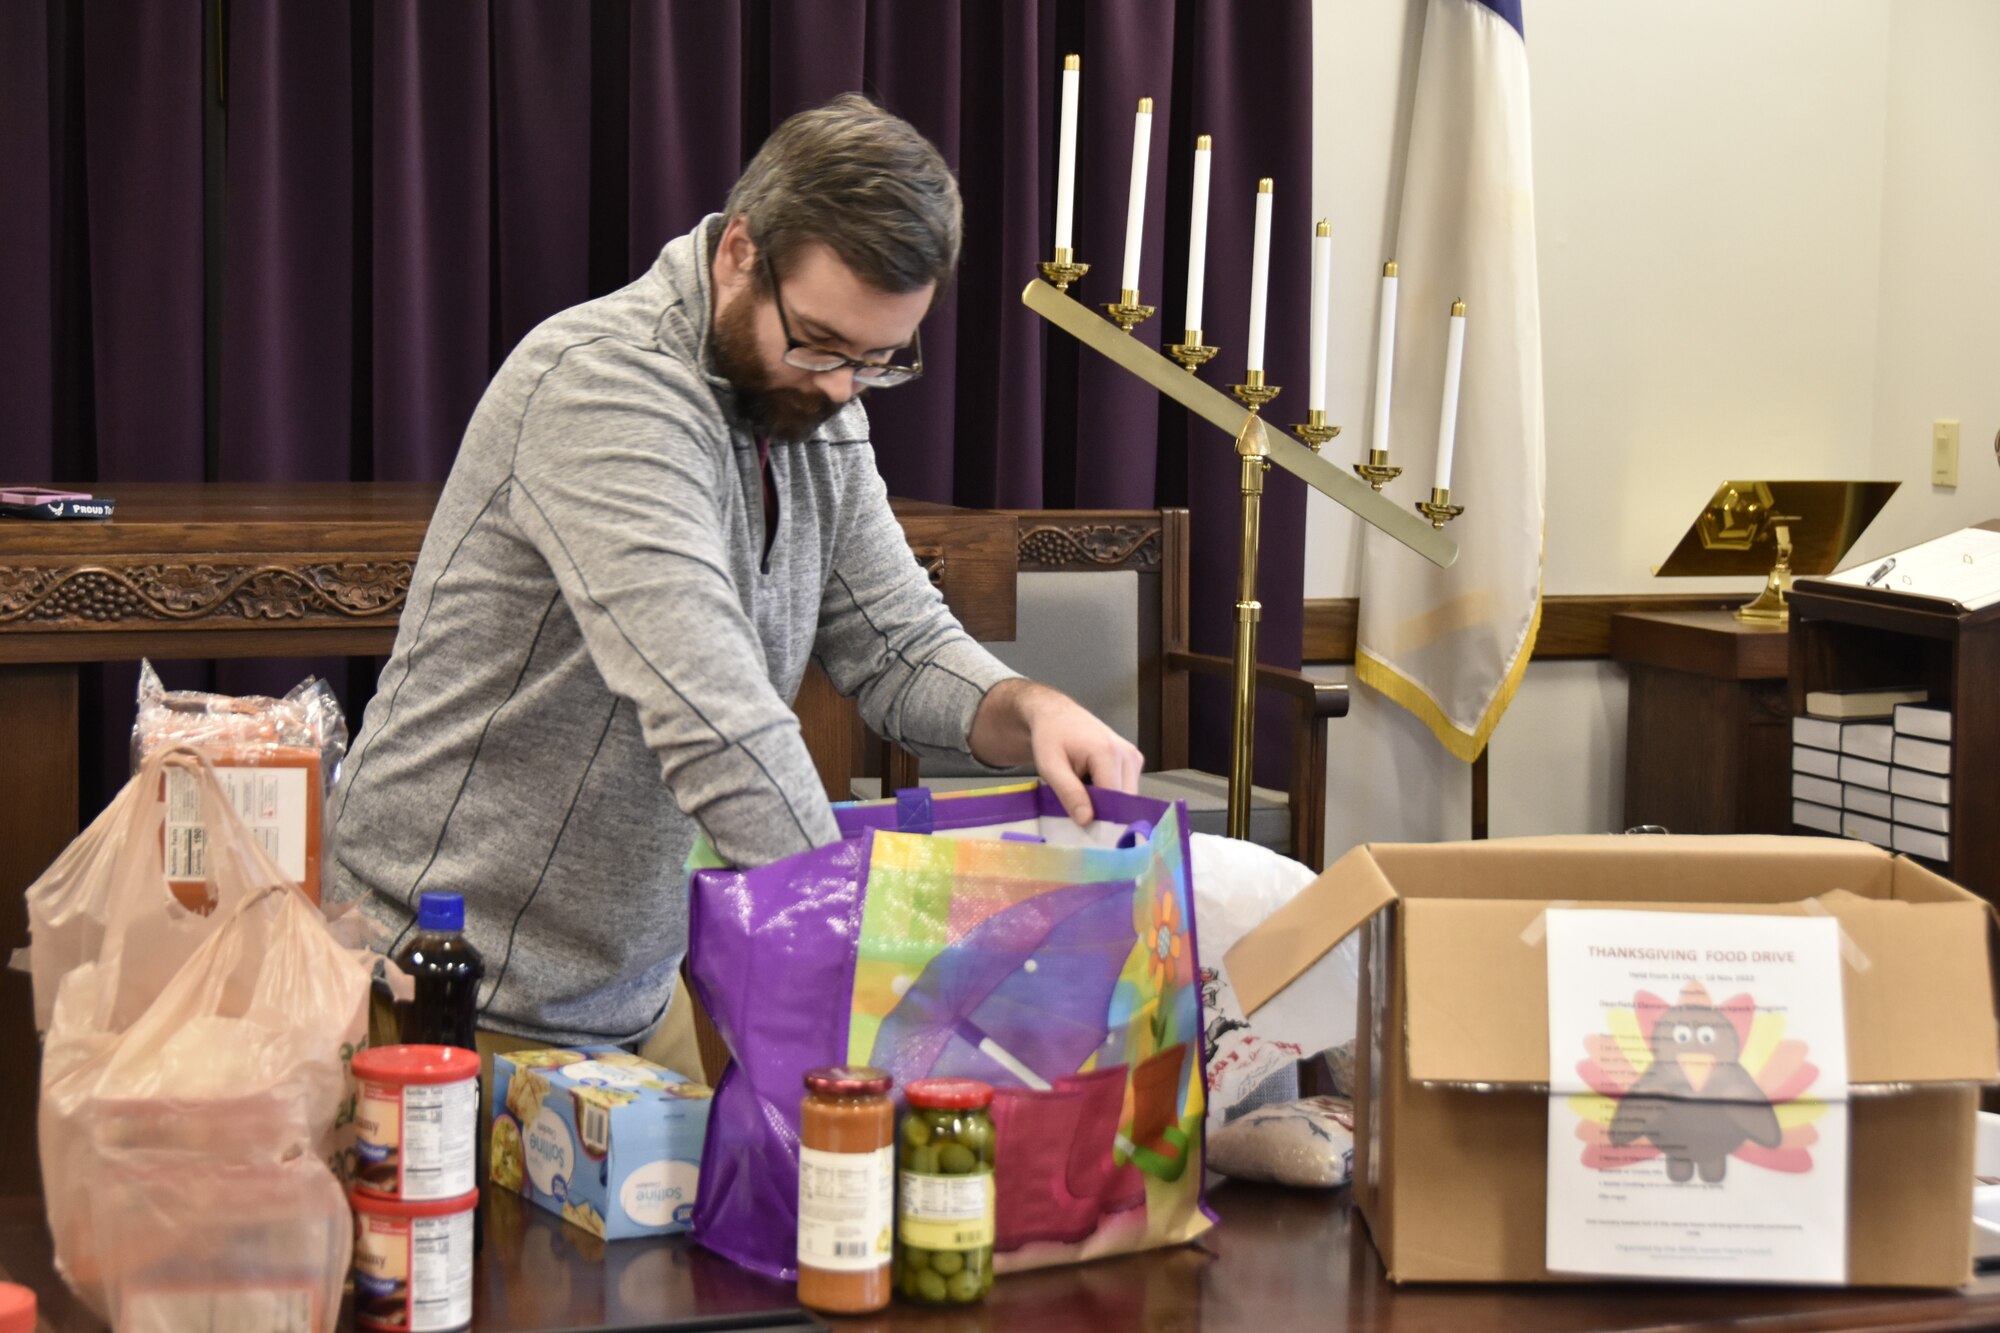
column 1258, row 446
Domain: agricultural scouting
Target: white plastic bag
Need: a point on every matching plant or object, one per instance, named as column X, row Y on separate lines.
column 194, row 1087
column 1237, row 886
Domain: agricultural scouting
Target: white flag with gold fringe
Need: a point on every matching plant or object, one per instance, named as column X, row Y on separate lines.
column 1450, row 645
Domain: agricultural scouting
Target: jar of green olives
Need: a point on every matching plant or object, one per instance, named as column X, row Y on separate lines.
column 945, row 1196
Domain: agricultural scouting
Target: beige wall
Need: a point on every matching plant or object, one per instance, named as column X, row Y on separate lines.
column 1767, row 239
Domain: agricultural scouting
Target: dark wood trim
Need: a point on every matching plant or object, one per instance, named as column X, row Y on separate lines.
column 1574, row 627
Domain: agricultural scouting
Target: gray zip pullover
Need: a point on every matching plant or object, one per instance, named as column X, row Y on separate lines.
column 594, row 662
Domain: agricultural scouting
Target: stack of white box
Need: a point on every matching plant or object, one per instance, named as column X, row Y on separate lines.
column 1885, row 782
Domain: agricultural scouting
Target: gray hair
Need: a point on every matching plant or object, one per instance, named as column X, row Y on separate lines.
column 862, row 182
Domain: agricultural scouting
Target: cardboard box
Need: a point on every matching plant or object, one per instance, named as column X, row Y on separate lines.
column 1453, row 1062
column 610, row 1141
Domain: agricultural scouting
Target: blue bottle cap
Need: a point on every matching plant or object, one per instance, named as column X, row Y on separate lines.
column 441, row 911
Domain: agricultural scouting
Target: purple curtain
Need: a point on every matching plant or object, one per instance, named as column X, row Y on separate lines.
column 411, row 185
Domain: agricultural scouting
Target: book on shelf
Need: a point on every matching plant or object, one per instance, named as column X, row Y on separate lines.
column 1932, row 724
column 1867, row 801
column 1920, row 786
column 1819, row 763
column 1921, row 814
column 1959, row 571
column 1816, row 732
column 1868, row 828
column 1869, row 740
column 1922, row 842
column 1813, row 815
column 1864, row 772
column 1851, row 704
column 1822, row 791
column 1930, row 756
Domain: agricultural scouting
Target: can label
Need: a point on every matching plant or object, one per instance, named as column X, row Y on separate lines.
column 847, row 1205
column 413, row 1273
column 416, row 1141
column 947, row 1212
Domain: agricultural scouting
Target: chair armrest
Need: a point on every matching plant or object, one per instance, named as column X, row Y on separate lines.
column 1318, row 698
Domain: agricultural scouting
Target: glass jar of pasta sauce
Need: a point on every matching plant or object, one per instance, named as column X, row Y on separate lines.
column 945, row 1209
column 847, row 1185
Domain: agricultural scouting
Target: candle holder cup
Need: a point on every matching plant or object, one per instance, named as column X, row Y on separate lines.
column 1061, row 271
column 1314, row 430
column 1376, row 471
column 1126, row 312
column 1254, row 393
column 1439, row 509
column 1191, row 351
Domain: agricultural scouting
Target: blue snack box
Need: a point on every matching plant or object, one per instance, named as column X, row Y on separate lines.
column 610, row 1141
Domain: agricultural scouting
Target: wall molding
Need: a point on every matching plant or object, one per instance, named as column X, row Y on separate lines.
column 1575, row 627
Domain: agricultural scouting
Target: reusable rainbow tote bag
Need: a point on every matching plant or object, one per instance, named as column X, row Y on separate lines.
column 974, row 935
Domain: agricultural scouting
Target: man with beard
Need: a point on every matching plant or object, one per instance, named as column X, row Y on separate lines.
column 664, row 506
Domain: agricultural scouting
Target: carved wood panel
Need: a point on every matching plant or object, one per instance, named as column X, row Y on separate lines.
column 142, row 593
column 1052, row 542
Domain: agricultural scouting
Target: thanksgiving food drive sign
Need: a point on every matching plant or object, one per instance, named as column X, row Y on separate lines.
column 1697, row 1096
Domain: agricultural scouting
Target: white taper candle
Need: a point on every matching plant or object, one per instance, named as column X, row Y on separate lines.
column 1454, row 362
column 1198, row 229
column 1260, row 273
column 1322, row 280
column 1135, row 207
column 1385, row 359
column 1066, row 151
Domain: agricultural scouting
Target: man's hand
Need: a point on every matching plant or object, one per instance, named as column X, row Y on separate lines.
column 1020, row 720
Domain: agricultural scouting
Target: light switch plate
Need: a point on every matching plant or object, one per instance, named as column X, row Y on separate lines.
column 1944, row 453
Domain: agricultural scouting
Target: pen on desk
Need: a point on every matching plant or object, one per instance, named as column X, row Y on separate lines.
column 1881, row 572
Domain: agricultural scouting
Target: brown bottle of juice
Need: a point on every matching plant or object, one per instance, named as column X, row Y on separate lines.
column 847, row 1189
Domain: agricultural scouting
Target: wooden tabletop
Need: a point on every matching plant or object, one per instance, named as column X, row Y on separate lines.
column 1706, row 643
column 158, row 518
column 1281, row 1261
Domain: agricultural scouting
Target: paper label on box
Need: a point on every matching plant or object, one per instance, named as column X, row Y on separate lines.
column 1698, row 1097
column 271, row 802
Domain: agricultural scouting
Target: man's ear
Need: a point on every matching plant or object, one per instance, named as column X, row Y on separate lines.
column 736, row 253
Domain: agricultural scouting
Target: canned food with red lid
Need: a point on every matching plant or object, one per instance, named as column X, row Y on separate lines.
column 413, row 1263
column 417, row 1121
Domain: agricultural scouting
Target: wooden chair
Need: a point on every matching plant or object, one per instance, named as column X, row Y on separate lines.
column 1111, row 629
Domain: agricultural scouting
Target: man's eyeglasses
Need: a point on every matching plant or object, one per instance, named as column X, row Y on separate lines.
column 820, row 360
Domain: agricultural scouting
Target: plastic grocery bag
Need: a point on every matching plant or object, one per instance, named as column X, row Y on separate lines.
column 978, row 935
column 187, row 1121
column 1253, row 1061
column 107, row 890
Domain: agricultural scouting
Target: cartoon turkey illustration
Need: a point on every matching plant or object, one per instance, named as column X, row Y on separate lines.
column 1696, row 1082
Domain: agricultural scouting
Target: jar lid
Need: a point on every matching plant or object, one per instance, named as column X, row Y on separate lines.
column 416, row 1064
column 848, row 1080
column 365, row 1202
column 17, row 1309
column 949, row 1094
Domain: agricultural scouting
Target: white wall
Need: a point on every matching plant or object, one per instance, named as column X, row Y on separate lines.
column 1760, row 236
column 1938, row 348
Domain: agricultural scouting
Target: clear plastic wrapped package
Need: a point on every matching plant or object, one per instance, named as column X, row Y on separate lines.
column 276, row 758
